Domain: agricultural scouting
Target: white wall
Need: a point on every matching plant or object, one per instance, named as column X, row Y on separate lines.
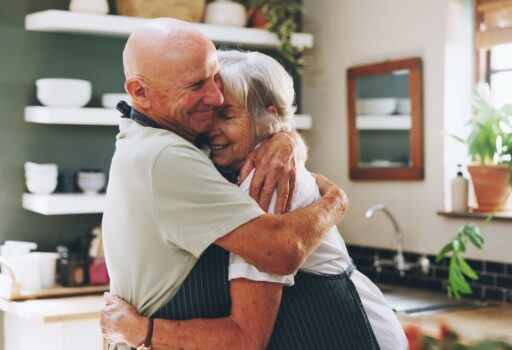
column 355, row 32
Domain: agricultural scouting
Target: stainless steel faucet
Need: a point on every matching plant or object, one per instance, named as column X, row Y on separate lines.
column 399, row 260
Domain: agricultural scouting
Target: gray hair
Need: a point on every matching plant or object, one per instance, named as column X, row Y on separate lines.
column 258, row 81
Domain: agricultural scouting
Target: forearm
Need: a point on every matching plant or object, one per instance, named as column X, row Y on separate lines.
column 280, row 243
column 254, row 307
column 310, row 224
column 219, row 333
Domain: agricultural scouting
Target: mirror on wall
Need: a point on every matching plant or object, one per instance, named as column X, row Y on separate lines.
column 385, row 120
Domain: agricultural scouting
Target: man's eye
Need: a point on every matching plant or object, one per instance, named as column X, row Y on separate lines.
column 228, row 116
column 197, row 85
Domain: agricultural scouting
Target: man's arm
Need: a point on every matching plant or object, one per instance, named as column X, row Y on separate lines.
column 253, row 314
column 280, row 243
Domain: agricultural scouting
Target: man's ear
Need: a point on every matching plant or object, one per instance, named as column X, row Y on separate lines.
column 272, row 109
column 138, row 91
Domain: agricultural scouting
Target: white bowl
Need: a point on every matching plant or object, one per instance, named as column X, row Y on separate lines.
column 224, row 12
column 36, row 167
column 72, row 93
column 41, row 173
column 111, row 100
column 375, row 106
column 44, row 177
column 403, row 106
column 41, row 186
column 91, row 183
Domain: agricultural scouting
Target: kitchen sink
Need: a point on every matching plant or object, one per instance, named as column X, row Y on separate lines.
column 416, row 302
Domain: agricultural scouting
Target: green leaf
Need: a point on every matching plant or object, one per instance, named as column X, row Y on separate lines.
column 466, row 269
column 456, row 279
column 456, row 244
column 462, row 245
column 473, row 234
column 444, row 251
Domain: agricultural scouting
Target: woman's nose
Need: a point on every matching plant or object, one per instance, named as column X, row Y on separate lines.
column 214, row 130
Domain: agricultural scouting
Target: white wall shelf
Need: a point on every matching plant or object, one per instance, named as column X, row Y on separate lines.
column 105, row 116
column 61, row 204
column 72, row 116
column 387, row 122
column 302, row 122
column 122, row 26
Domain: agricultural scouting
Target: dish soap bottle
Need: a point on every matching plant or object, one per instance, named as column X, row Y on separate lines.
column 459, row 187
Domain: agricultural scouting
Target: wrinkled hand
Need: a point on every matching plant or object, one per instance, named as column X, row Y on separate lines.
column 274, row 165
column 121, row 323
column 327, row 188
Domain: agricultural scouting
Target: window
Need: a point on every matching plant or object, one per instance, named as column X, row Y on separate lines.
column 499, row 75
column 494, row 44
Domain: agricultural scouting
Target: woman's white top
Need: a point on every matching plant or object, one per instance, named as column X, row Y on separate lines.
column 330, row 258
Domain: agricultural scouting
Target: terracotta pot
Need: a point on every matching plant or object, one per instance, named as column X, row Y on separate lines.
column 491, row 184
column 256, row 19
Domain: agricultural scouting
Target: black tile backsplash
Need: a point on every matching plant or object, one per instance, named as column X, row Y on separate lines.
column 494, row 283
column 494, row 267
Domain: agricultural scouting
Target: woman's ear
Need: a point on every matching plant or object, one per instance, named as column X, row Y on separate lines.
column 272, row 109
column 138, row 91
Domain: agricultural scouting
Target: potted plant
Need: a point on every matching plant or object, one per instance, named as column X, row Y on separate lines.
column 490, row 147
column 280, row 17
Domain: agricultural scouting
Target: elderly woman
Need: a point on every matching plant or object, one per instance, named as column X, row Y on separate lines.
column 327, row 304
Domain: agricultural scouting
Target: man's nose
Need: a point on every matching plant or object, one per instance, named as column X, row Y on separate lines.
column 214, row 95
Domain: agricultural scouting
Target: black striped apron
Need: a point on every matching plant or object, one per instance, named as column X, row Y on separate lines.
column 318, row 312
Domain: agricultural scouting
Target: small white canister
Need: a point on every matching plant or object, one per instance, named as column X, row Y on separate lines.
column 225, row 12
column 459, row 192
column 90, row 6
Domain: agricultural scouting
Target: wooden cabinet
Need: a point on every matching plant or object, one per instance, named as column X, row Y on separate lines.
column 385, row 121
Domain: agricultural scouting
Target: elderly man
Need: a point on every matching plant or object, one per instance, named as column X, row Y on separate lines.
column 166, row 203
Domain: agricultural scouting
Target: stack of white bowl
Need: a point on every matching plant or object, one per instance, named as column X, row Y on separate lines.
column 376, row 106
column 91, row 182
column 41, row 178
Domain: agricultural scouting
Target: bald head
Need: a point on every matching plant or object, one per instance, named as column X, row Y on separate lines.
column 162, row 45
column 172, row 76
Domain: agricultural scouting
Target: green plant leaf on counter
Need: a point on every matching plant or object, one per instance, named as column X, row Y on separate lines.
column 458, row 268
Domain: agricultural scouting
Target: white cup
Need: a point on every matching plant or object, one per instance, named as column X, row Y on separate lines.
column 26, row 270
column 16, row 248
column 47, row 268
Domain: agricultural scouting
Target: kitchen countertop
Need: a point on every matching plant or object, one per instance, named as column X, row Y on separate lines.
column 55, row 309
column 472, row 325
column 493, row 322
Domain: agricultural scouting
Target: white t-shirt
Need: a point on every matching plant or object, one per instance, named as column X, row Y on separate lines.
column 331, row 258
column 165, row 204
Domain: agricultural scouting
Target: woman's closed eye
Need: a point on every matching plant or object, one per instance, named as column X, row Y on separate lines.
column 228, row 116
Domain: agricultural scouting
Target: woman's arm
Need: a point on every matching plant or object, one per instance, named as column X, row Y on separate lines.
column 254, row 307
column 279, row 244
